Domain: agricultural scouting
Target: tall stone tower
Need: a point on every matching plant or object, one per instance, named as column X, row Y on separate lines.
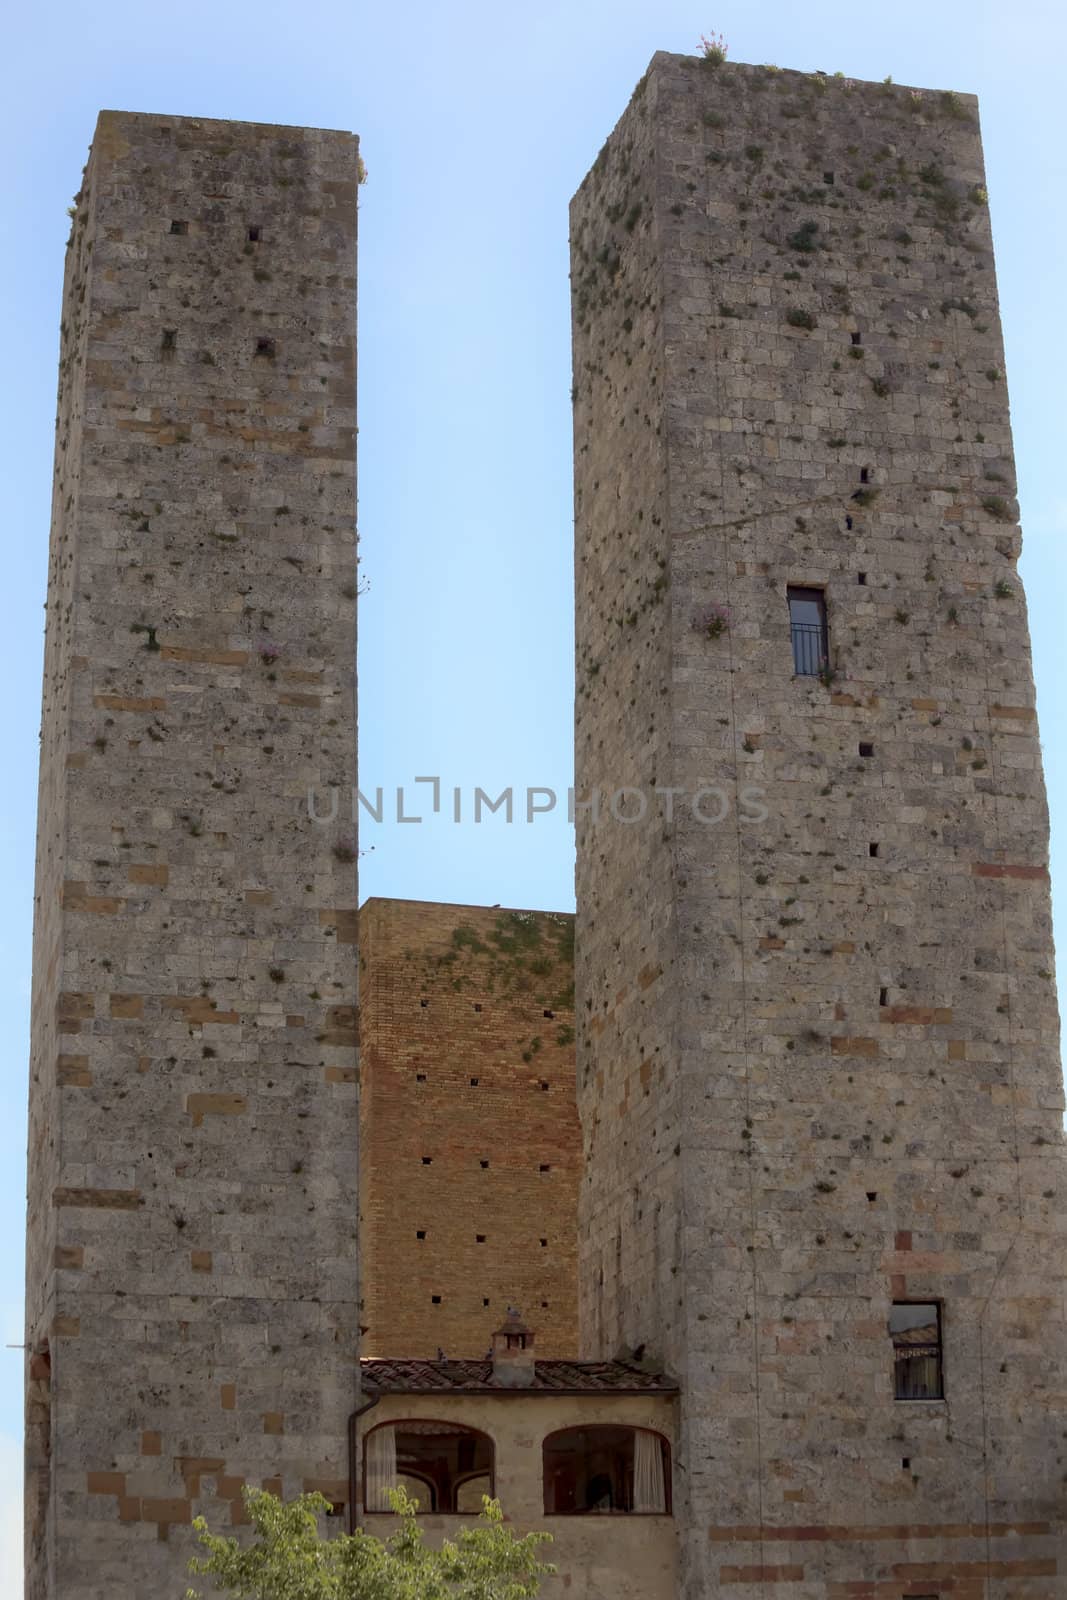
column 818, row 1061
column 192, row 1298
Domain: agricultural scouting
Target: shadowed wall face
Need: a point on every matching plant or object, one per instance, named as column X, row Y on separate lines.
column 817, row 1061
column 192, row 1297
column 469, row 1138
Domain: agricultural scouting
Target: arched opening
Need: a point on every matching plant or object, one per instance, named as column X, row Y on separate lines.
column 443, row 1465
column 606, row 1470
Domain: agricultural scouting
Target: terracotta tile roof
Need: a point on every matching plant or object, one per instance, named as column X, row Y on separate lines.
column 386, row 1376
column 917, row 1340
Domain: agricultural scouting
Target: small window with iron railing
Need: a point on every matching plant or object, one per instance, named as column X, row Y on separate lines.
column 810, row 636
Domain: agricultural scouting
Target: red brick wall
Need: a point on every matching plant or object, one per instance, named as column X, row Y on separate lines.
column 467, row 1025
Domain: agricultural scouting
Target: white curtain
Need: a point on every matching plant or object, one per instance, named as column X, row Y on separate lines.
column 649, row 1489
column 918, row 1374
column 381, row 1468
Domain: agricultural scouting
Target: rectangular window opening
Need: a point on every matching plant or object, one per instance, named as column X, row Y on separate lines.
column 420, row 1077
column 544, row 1167
column 857, row 338
column 883, row 997
column 267, row 350
column 427, row 1160
column 170, row 339
column 915, row 1329
column 872, row 849
column 809, row 632
column 865, row 472
column 866, row 749
column 253, row 234
column 483, row 1165
column 420, row 1233
column 606, row 1468
column 479, row 1238
column 474, row 1083
column 861, row 578
column 179, row 226
column 872, row 1195
column 435, row 1299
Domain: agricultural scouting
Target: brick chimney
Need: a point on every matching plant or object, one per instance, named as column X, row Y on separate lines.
column 513, row 1353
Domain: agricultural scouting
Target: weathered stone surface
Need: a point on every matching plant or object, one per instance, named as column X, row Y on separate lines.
column 193, row 1195
column 788, row 370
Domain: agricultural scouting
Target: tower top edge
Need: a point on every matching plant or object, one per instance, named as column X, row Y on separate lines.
column 676, row 58
column 735, row 73
column 211, row 125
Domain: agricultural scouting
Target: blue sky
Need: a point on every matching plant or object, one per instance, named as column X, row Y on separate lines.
column 478, row 121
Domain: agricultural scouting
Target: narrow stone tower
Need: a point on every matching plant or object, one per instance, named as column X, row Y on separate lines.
column 191, row 1294
column 818, row 1061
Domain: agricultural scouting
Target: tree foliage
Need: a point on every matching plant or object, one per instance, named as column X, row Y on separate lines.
column 288, row 1558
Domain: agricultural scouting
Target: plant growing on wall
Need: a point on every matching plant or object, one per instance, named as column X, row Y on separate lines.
column 288, row 1558
column 712, row 622
column 713, row 48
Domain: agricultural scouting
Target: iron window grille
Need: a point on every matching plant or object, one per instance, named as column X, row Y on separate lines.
column 809, row 632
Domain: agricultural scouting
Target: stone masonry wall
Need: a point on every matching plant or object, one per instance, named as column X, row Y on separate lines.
column 629, row 1219
column 469, row 1139
column 192, row 1285
column 818, row 1053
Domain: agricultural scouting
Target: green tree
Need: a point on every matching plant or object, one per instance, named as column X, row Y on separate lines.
column 288, row 1559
